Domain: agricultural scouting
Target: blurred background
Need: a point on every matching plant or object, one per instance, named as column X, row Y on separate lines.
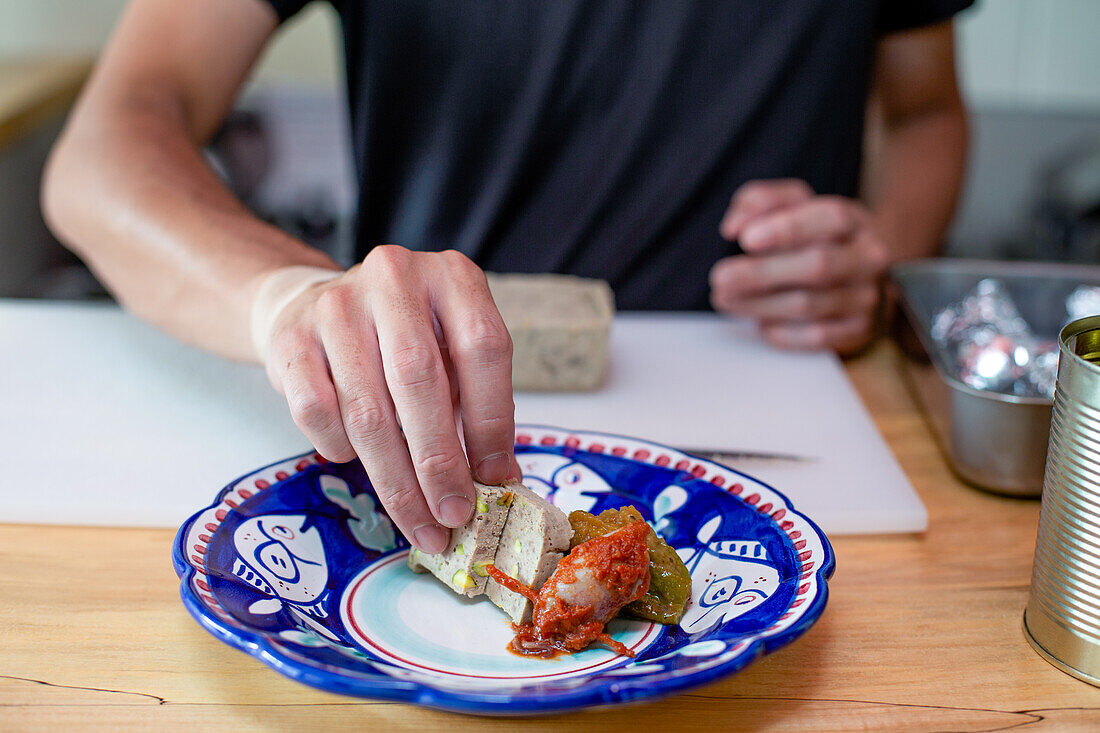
column 1029, row 69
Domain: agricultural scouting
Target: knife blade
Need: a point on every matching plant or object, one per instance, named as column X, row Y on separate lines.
column 737, row 456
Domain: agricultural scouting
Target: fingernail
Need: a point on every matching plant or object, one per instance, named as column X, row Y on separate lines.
column 455, row 510
column 756, row 235
column 515, row 473
column 431, row 538
column 492, row 469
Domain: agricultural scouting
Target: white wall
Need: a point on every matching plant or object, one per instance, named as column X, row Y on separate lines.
column 1031, row 54
column 1013, row 53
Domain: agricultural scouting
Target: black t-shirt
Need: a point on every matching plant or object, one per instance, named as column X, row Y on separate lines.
column 602, row 138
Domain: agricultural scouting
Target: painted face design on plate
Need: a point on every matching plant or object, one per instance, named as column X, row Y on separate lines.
column 569, row 485
column 281, row 557
column 730, row 578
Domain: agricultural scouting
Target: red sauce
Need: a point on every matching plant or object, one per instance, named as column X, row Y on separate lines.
column 616, row 573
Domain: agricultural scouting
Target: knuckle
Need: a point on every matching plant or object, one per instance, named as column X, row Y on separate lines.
column 819, row 265
column 486, row 338
column 415, row 366
column 365, row 418
column 335, row 303
column 802, row 303
column 388, row 260
column 287, row 344
column 878, row 258
column 435, row 464
column 458, row 263
column 842, row 216
column 816, row 336
column 312, row 410
column 401, row 500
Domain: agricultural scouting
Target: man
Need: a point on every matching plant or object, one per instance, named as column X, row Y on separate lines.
column 598, row 137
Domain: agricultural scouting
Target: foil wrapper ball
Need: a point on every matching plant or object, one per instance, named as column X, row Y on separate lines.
column 993, row 348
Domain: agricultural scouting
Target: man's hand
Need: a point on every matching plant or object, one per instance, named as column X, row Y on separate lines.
column 396, row 361
column 810, row 270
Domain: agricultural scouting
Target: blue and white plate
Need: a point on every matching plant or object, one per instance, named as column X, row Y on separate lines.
column 298, row 565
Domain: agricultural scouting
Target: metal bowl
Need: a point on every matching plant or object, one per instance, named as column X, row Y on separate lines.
column 995, row 441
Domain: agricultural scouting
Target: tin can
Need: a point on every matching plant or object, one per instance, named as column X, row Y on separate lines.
column 1062, row 619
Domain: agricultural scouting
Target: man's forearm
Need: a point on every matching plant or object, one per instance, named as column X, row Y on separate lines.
column 921, row 169
column 128, row 190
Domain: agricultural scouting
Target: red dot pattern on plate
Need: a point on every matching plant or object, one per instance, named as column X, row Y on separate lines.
column 699, row 470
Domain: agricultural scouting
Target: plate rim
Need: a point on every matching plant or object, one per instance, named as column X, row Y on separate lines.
column 383, row 687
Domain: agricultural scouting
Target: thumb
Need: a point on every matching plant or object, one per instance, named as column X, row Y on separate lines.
column 756, row 198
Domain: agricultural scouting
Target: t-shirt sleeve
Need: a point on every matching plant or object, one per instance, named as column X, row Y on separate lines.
column 900, row 15
column 286, row 8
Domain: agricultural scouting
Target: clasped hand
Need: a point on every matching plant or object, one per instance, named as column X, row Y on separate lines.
column 811, row 269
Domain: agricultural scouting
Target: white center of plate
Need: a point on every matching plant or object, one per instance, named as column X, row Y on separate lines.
column 414, row 621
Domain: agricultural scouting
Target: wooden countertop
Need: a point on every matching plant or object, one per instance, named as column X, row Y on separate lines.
column 34, row 91
column 920, row 633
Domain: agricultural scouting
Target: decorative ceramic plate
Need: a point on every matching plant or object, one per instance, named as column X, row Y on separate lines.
column 298, row 565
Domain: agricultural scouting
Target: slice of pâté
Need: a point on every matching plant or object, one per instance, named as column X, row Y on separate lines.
column 462, row 566
column 534, row 539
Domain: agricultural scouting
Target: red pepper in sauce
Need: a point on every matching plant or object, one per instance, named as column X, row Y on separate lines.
column 588, row 588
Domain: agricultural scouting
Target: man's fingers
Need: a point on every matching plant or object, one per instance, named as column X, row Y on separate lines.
column 803, row 304
column 417, row 380
column 757, row 198
column 313, row 403
column 842, row 334
column 823, row 218
column 815, row 266
column 481, row 351
column 370, row 422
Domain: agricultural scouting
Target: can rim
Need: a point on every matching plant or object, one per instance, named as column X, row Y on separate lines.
column 1073, row 329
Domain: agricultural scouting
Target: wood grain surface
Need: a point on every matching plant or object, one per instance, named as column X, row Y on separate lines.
column 922, row 632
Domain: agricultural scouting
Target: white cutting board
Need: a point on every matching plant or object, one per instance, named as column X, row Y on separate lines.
column 104, row 420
